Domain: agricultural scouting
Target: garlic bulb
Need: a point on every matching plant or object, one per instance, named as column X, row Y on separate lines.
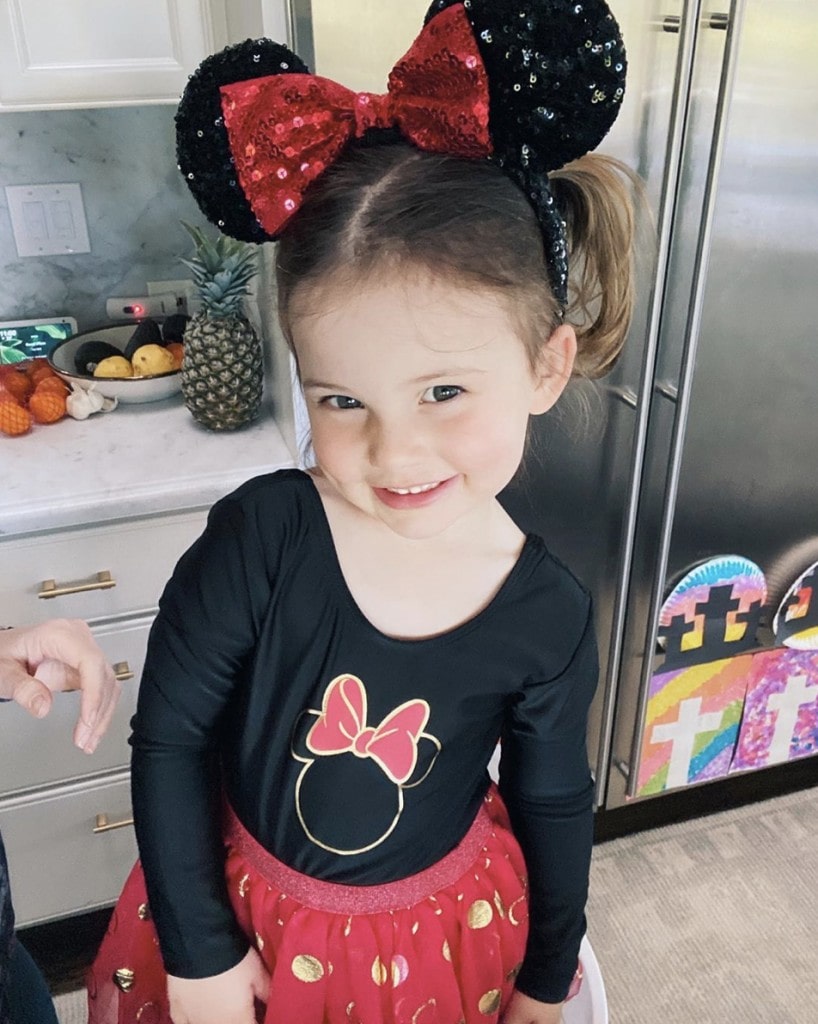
column 85, row 400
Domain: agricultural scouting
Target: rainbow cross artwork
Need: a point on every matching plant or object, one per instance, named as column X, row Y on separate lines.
column 796, row 621
column 719, row 703
column 713, row 612
column 780, row 720
column 692, row 724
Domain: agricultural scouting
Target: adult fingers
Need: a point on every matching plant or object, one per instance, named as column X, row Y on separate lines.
column 67, row 657
column 57, row 676
column 100, row 691
column 25, row 690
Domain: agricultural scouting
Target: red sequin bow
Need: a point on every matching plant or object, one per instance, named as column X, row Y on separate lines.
column 342, row 728
column 285, row 129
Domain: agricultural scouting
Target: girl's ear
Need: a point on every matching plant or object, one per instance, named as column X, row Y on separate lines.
column 554, row 366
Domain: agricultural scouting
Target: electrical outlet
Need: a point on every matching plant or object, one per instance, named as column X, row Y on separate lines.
column 185, row 292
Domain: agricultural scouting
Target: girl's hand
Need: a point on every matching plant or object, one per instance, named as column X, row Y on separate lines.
column 525, row 1010
column 226, row 998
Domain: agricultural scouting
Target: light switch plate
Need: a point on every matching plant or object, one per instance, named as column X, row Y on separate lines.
column 48, row 220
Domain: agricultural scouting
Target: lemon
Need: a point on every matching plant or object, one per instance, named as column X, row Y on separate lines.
column 150, row 359
column 114, row 366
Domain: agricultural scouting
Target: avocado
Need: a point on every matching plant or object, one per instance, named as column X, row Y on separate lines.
column 173, row 329
column 147, row 333
column 92, row 352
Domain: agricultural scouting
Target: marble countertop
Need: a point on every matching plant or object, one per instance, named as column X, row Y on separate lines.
column 137, row 460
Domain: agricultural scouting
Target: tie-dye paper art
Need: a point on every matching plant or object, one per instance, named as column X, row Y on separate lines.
column 796, row 621
column 692, row 724
column 780, row 720
column 713, row 612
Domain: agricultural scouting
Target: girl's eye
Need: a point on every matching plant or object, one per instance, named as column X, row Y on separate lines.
column 341, row 402
column 442, row 393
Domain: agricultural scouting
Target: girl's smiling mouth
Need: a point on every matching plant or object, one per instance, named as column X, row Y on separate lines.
column 413, row 496
column 417, row 489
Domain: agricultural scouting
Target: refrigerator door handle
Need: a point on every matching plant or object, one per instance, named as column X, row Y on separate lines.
column 623, row 393
column 690, row 343
column 669, row 198
column 673, row 23
column 667, row 390
column 719, row 21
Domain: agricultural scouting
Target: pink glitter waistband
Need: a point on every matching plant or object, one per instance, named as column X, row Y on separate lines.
column 361, row 899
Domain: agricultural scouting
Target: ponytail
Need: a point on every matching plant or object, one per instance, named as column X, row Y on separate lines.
column 596, row 195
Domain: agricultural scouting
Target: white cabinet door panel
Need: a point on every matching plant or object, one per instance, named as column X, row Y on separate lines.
column 58, row 866
column 139, row 557
column 78, row 53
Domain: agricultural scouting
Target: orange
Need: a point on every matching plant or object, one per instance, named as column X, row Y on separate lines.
column 14, row 419
column 43, row 372
column 18, row 385
column 6, row 394
column 52, row 383
column 177, row 350
column 46, row 406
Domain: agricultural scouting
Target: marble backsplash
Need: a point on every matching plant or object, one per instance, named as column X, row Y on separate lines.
column 125, row 161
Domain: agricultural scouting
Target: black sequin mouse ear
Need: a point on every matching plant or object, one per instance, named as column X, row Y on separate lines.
column 556, row 75
column 556, row 71
column 202, row 146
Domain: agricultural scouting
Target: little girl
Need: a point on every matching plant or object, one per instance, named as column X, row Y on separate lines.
column 336, row 658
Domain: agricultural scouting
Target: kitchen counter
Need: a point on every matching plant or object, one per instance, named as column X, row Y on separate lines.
column 135, row 461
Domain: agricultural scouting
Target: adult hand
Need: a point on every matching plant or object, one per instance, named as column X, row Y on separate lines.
column 523, row 1009
column 60, row 654
column 226, row 998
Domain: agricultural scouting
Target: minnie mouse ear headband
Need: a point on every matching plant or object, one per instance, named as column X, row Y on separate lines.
column 528, row 84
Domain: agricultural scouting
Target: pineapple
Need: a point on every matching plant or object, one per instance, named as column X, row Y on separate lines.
column 222, row 371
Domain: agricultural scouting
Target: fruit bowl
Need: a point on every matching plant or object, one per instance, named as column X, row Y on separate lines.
column 125, row 389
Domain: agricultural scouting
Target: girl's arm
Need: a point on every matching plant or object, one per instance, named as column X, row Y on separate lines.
column 546, row 784
column 200, row 643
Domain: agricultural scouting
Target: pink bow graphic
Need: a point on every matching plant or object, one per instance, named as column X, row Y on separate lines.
column 342, row 728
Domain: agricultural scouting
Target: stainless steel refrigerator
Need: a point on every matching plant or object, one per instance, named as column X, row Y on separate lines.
column 683, row 489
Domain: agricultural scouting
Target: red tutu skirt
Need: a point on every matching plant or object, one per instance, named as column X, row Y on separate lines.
column 438, row 947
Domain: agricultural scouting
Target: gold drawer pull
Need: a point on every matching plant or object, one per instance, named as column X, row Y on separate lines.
column 122, row 671
column 103, row 825
column 49, row 588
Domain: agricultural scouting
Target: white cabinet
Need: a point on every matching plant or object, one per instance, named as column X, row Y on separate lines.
column 50, row 792
column 87, row 53
column 93, row 573
column 59, row 865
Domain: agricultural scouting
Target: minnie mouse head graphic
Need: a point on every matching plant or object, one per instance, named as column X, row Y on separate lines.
column 356, row 771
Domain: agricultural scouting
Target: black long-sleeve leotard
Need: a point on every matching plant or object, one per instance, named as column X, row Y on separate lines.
column 259, row 660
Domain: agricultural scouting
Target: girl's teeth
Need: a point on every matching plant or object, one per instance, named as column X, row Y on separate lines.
column 412, row 490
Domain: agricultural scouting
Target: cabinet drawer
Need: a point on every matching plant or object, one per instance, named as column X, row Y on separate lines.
column 58, row 865
column 139, row 557
column 40, row 752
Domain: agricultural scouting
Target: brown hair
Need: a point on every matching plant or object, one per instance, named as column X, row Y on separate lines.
column 386, row 207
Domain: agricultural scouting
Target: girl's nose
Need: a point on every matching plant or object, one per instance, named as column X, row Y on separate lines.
column 393, row 444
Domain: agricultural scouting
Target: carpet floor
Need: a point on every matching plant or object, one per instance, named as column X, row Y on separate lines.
column 712, row 921
column 709, row 921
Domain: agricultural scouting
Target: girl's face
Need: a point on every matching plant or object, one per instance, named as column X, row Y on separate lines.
column 419, row 393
